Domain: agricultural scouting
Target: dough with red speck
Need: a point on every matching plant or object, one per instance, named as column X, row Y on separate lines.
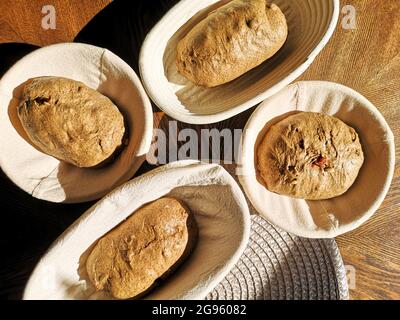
column 310, row 156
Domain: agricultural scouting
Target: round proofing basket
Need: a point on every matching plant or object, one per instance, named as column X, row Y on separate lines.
column 321, row 218
column 45, row 177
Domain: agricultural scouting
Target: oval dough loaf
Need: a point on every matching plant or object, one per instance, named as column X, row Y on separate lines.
column 310, row 156
column 231, row 41
column 70, row 121
column 149, row 244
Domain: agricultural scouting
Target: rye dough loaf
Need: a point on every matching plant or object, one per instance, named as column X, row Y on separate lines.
column 70, row 121
column 147, row 246
column 310, row 156
column 230, row 41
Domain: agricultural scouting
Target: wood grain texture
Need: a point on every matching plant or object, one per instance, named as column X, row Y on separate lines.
column 21, row 20
column 366, row 59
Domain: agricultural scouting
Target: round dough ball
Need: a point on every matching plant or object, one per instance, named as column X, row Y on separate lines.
column 70, row 121
column 310, row 156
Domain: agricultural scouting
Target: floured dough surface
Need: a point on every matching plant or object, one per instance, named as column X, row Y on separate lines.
column 310, row 156
column 149, row 244
column 70, row 121
column 231, row 41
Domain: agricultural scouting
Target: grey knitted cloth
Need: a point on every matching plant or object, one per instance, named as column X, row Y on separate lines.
column 278, row 265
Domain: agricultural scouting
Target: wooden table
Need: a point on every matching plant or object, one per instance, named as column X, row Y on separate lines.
column 366, row 59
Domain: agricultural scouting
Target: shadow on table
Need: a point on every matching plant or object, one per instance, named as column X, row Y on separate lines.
column 28, row 228
column 122, row 26
column 10, row 53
